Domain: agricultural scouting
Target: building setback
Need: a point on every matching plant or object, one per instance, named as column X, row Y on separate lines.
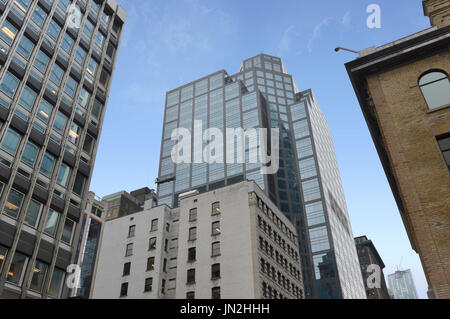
column 54, row 87
column 368, row 256
column 402, row 285
column 403, row 88
column 230, row 243
column 307, row 188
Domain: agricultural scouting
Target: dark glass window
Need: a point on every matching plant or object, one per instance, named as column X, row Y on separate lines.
column 444, row 144
column 152, row 243
column 151, row 263
column 215, row 271
column 126, row 269
column 191, row 276
column 131, row 231
column 215, row 293
column 148, row 284
column 192, row 254
column 124, row 289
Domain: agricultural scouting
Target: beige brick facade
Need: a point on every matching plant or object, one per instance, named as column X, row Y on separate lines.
column 409, row 132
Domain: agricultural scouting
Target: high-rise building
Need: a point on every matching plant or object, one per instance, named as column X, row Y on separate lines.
column 403, row 88
column 56, row 64
column 368, row 258
column 402, row 285
column 230, row 243
column 307, row 187
column 88, row 247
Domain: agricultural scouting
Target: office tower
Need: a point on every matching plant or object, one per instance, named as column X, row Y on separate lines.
column 402, row 285
column 368, row 258
column 230, row 243
column 307, row 187
column 54, row 85
column 404, row 92
column 88, row 246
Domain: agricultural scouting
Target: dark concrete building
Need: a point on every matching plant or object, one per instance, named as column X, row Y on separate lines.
column 55, row 78
column 368, row 255
column 307, row 187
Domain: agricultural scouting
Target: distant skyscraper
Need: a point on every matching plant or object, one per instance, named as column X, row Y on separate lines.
column 55, row 78
column 307, row 188
column 402, row 285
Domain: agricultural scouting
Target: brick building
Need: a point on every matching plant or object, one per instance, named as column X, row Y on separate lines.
column 404, row 91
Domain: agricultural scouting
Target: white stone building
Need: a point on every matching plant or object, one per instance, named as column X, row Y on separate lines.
column 230, row 243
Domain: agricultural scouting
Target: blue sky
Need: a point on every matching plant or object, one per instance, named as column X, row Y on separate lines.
column 167, row 43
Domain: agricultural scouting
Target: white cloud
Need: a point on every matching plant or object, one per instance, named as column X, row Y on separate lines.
column 286, row 40
column 316, row 32
column 347, row 18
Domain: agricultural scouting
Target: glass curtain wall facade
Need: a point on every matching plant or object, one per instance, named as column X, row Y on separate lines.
column 54, row 86
column 307, row 187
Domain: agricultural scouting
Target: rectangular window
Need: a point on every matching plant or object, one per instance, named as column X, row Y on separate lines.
column 84, row 97
column 192, row 254
column 192, row 233
column 193, row 215
column 191, row 276
column 444, row 145
column 13, row 203
column 67, row 234
column 319, row 239
column 152, row 243
column 11, row 141
column 97, row 109
column 41, row 61
column 9, row 84
column 8, row 32
column 148, row 285
column 131, row 231
column 190, row 295
column 67, row 43
column 216, row 228
column 215, row 271
column 53, row 30
column 56, row 75
column 51, row 225
column 124, row 289
column 215, row 249
column 27, row 98
column 44, row 111
column 17, row 268
column 71, row 87
column 154, row 225
column 215, row 210
column 33, row 213
column 129, row 250
column 79, row 184
column 63, row 175
column 126, row 269
column 151, row 264
column 39, row 16
column 37, row 280
column 60, row 123
column 48, row 164
column 215, row 293
column 74, row 133
column 25, row 48
column 56, row 283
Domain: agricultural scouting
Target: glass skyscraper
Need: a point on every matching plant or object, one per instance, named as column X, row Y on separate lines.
column 402, row 285
column 307, row 187
column 55, row 78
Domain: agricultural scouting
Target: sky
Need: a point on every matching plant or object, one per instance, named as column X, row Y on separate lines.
column 168, row 43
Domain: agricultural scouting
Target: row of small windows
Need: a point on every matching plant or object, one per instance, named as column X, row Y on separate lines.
column 148, row 287
column 279, row 278
column 279, row 258
column 41, row 271
column 271, row 293
column 215, row 293
column 263, row 225
column 276, row 220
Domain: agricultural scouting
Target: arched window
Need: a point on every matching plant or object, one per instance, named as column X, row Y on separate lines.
column 435, row 87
